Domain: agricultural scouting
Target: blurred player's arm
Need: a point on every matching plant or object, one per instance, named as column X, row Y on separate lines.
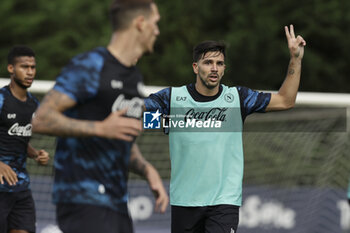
column 285, row 98
column 140, row 166
column 41, row 156
column 49, row 119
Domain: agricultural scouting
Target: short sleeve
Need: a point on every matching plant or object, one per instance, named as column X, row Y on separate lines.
column 80, row 78
column 159, row 101
column 2, row 99
column 252, row 101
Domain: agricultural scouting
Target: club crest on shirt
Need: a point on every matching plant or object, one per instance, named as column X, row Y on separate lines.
column 228, row 97
column 17, row 130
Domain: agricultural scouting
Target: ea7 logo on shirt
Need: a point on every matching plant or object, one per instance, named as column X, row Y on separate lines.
column 116, row 84
column 180, row 98
column 11, row 115
column 17, row 130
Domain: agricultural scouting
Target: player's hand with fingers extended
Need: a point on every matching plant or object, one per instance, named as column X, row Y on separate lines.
column 7, row 174
column 42, row 157
column 295, row 44
column 157, row 187
column 118, row 126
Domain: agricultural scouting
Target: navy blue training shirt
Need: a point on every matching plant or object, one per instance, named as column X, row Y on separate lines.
column 15, row 133
column 93, row 170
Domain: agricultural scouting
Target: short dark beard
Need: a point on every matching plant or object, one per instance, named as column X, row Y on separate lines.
column 207, row 86
column 18, row 82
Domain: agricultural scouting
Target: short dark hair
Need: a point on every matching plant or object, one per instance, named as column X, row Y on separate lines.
column 19, row 51
column 123, row 11
column 200, row 50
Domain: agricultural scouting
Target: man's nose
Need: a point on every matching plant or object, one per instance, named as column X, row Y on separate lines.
column 30, row 71
column 214, row 67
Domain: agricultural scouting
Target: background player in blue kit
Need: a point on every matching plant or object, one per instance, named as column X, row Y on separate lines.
column 207, row 167
column 17, row 105
column 93, row 108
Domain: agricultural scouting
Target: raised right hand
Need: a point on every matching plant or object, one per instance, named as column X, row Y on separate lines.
column 6, row 173
column 295, row 44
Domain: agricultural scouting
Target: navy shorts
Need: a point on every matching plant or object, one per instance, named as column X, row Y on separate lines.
column 17, row 211
column 81, row 218
column 208, row 219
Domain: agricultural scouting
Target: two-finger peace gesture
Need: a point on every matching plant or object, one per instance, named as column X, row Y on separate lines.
column 295, row 44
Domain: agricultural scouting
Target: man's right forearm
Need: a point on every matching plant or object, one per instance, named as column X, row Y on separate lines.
column 49, row 118
column 55, row 123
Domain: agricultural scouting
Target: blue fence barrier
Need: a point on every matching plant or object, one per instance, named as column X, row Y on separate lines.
column 264, row 209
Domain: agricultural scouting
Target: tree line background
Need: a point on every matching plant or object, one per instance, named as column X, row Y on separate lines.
column 257, row 55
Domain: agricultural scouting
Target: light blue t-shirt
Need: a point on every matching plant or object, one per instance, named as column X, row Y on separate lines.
column 207, row 165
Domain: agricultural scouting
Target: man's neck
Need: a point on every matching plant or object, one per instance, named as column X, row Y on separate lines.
column 203, row 90
column 18, row 92
column 124, row 47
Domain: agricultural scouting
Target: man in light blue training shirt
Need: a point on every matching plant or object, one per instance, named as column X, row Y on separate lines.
column 205, row 122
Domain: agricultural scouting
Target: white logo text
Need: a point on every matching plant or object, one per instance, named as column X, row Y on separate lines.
column 17, row 130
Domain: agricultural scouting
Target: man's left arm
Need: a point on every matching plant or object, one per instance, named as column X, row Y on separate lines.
column 285, row 98
column 140, row 166
column 41, row 156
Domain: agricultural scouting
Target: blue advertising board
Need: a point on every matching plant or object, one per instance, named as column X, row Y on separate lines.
column 264, row 210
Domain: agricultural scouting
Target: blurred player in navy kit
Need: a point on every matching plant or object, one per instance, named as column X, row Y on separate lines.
column 93, row 108
column 17, row 105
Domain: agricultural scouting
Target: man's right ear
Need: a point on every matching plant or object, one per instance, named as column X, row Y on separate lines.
column 195, row 67
column 139, row 21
